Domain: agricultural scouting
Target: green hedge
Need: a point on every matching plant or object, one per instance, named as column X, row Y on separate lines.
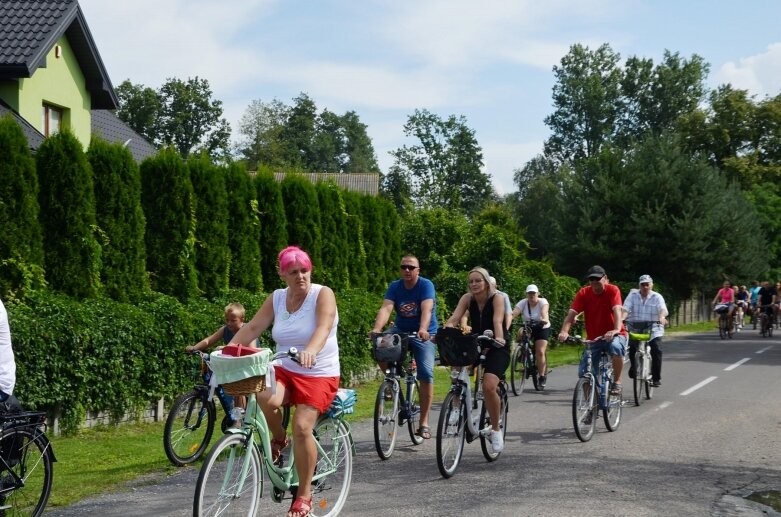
column 102, row 355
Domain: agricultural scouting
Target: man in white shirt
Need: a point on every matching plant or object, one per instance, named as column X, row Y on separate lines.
column 7, row 362
column 646, row 305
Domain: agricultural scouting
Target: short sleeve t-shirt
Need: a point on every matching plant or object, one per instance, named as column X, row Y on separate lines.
column 598, row 309
column 407, row 303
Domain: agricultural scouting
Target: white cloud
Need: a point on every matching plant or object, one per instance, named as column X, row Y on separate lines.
column 501, row 160
column 759, row 74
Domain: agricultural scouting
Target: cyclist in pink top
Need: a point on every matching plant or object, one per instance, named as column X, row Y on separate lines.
column 726, row 296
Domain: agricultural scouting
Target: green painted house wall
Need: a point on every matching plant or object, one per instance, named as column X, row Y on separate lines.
column 61, row 84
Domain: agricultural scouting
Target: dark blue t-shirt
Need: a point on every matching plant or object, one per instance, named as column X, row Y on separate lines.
column 407, row 304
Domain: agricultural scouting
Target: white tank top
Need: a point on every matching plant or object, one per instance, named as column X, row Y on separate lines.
column 295, row 329
column 536, row 311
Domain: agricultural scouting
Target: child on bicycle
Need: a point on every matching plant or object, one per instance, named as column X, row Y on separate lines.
column 234, row 320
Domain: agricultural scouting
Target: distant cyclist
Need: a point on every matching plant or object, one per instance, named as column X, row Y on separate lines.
column 767, row 299
column 726, row 296
column 742, row 304
column 535, row 308
column 755, row 287
column 646, row 305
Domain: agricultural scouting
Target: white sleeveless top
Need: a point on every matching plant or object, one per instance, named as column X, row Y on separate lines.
column 295, row 329
column 536, row 311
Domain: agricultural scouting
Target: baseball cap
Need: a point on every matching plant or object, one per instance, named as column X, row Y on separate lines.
column 646, row 278
column 492, row 280
column 595, row 272
column 531, row 288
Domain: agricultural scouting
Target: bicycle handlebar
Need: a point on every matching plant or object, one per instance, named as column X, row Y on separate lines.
column 291, row 354
column 490, row 340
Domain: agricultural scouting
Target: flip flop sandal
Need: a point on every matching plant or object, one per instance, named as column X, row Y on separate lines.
column 300, row 508
column 276, row 448
column 424, row 432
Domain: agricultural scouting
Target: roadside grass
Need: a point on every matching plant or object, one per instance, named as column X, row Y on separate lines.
column 107, row 459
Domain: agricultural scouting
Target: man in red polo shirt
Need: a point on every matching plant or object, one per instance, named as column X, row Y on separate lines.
column 600, row 303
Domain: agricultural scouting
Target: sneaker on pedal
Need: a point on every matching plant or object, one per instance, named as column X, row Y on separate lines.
column 656, row 384
column 497, row 441
column 543, row 379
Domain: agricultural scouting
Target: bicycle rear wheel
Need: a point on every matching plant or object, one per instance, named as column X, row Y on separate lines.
column 334, row 469
column 386, row 419
column 413, row 418
column 584, row 409
column 189, row 428
column 451, row 432
column 518, row 370
column 722, row 326
column 28, row 454
column 485, row 421
column 222, row 489
column 612, row 414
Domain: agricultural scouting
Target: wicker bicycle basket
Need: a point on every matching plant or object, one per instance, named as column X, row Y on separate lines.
column 457, row 348
column 241, row 375
column 388, row 348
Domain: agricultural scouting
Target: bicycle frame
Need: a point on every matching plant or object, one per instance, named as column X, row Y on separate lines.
column 462, row 385
column 601, row 387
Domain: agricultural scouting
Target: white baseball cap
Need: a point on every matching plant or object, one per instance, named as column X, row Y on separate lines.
column 646, row 278
column 531, row 288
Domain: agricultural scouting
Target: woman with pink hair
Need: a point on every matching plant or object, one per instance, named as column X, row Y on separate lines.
column 303, row 315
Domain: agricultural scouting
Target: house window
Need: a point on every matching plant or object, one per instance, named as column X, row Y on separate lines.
column 52, row 120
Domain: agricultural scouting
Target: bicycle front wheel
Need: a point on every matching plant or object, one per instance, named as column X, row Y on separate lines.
column 612, row 414
column 28, row 454
column 188, row 428
column 584, row 409
column 451, row 432
column 639, row 381
column 334, row 469
column 485, row 422
column 386, row 418
column 231, row 480
column 517, row 370
column 413, row 408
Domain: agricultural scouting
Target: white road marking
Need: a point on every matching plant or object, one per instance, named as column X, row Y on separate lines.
column 665, row 404
column 764, row 349
column 698, row 386
column 733, row 366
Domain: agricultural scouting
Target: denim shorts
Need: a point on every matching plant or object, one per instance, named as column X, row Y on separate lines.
column 423, row 352
column 616, row 347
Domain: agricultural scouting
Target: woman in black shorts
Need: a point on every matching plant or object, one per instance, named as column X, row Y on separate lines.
column 486, row 312
column 535, row 308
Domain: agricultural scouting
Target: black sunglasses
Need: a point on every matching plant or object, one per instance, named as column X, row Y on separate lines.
column 405, row 267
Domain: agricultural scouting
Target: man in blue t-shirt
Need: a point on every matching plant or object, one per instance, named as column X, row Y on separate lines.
column 414, row 300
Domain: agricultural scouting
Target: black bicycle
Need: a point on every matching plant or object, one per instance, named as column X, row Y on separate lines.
column 523, row 362
column 26, row 464
column 393, row 405
column 190, row 423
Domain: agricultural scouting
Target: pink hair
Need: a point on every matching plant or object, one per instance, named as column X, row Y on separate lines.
column 292, row 254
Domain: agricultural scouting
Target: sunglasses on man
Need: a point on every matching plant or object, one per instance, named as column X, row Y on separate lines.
column 406, row 267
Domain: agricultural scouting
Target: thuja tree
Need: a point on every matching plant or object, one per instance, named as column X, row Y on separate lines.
column 355, row 251
column 212, row 255
column 243, row 229
column 168, row 202
column 72, row 253
column 273, row 227
column 121, row 219
column 303, row 217
column 374, row 240
column 333, row 224
column 21, row 248
column 390, row 221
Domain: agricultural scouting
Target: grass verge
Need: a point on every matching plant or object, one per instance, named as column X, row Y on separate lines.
column 106, row 459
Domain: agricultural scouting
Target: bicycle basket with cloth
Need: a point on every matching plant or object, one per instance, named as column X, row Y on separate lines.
column 720, row 308
column 388, row 347
column 240, row 375
column 457, row 348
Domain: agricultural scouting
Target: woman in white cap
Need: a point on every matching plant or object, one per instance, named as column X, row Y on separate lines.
column 535, row 309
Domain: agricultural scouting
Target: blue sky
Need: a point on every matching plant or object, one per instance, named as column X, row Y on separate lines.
column 489, row 60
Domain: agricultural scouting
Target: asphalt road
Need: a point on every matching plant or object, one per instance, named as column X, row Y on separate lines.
column 710, row 435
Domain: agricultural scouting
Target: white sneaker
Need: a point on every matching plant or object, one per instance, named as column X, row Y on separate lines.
column 455, row 414
column 497, row 441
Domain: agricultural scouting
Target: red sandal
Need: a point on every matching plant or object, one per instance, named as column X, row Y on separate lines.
column 300, row 508
column 276, row 448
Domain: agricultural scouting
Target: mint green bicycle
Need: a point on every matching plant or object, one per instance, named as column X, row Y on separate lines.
column 233, row 476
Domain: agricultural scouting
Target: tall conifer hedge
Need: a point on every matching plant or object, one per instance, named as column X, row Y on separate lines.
column 244, row 228
column 121, row 219
column 212, row 253
column 303, row 218
column 21, row 247
column 273, row 227
column 72, row 253
column 168, row 201
column 333, row 225
column 356, row 252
